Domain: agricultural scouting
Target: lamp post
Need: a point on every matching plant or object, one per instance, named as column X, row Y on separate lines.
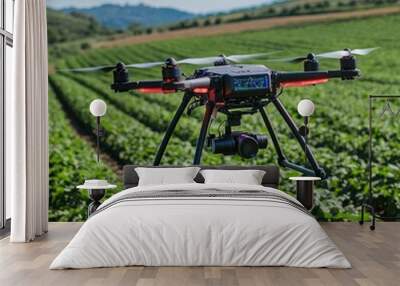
column 98, row 108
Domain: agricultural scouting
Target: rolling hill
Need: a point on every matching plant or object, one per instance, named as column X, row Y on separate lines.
column 69, row 27
column 121, row 17
column 278, row 9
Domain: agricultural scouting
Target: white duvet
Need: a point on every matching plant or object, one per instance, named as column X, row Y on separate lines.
column 203, row 231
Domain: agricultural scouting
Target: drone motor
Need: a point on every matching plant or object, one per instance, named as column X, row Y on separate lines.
column 311, row 63
column 121, row 74
column 221, row 61
column 171, row 71
column 348, row 63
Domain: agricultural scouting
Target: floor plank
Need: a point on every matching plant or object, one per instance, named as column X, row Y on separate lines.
column 375, row 257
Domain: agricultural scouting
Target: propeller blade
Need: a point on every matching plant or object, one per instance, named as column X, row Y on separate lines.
column 345, row 53
column 110, row 68
column 232, row 58
column 289, row 60
column 191, row 61
column 363, row 52
column 90, row 69
column 145, row 65
column 334, row 55
column 242, row 58
column 329, row 55
column 199, row 61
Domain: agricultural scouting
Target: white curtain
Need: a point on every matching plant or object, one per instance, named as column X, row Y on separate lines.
column 26, row 124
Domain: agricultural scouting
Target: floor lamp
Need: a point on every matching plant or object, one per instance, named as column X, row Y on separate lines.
column 96, row 188
column 305, row 184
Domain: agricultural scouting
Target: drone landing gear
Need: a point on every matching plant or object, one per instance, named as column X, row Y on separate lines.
column 316, row 169
column 171, row 127
column 282, row 160
column 274, row 138
column 203, row 132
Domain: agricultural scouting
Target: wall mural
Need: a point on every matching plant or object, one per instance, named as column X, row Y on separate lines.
column 134, row 124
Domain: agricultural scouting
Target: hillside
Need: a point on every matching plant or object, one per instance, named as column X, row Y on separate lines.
column 277, row 9
column 250, row 25
column 121, row 17
column 69, row 27
column 302, row 7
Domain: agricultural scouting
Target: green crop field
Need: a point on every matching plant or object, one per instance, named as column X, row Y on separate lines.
column 135, row 123
column 71, row 162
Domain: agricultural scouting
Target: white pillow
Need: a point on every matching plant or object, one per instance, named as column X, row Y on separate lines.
column 166, row 176
column 248, row 177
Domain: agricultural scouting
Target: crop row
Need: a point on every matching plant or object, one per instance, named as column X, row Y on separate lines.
column 152, row 115
column 126, row 139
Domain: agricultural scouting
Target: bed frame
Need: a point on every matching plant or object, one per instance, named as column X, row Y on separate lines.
column 270, row 179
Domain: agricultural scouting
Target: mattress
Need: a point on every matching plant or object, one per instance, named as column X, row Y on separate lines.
column 201, row 225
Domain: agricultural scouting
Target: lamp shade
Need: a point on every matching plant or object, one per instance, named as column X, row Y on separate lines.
column 305, row 107
column 98, row 108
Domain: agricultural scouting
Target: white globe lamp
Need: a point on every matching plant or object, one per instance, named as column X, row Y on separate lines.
column 98, row 108
column 305, row 107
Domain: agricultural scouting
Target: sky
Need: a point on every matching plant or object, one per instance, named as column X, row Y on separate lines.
column 194, row 6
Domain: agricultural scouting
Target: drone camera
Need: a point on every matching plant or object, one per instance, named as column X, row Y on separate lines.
column 243, row 143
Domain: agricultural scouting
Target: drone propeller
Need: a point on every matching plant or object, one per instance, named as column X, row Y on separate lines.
column 232, row 59
column 112, row 67
column 329, row 55
column 346, row 53
column 145, row 65
column 90, row 69
column 191, row 61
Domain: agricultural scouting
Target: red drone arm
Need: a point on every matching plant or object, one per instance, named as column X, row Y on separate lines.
column 150, row 86
column 299, row 79
column 305, row 82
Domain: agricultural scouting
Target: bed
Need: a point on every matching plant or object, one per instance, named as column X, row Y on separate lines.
column 198, row 224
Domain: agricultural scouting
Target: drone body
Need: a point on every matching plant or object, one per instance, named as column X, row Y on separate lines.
column 234, row 90
column 240, row 81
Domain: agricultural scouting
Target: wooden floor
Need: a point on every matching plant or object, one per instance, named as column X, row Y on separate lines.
column 375, row 257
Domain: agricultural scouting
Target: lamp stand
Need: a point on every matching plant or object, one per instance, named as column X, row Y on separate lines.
column 95, row 196
column 305, row 136
column 98, row 138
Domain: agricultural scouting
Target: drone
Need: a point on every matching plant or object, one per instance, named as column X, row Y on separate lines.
column 225, row 85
